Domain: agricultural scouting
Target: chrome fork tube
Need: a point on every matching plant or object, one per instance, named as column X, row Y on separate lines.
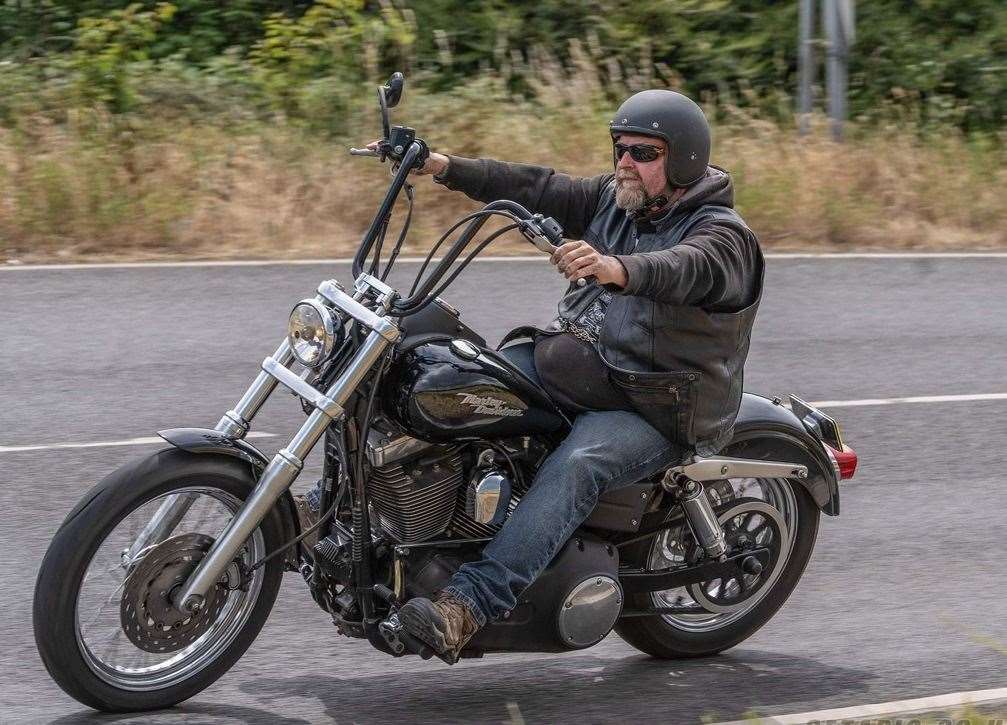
column 277, row 478
column 235, row 422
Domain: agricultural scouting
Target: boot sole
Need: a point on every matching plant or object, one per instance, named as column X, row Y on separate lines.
column 419, row 617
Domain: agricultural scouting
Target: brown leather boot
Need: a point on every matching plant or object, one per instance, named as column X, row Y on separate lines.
column 446, row 624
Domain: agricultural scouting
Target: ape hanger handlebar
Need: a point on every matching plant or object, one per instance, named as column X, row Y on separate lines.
column 409, row 152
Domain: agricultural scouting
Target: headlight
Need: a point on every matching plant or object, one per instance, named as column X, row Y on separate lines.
column 311, row 332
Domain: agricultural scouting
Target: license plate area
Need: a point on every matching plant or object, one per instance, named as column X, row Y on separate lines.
column 821, row 424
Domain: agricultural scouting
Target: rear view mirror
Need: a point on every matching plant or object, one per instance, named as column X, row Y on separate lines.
column 388, row 97
column 393, row 89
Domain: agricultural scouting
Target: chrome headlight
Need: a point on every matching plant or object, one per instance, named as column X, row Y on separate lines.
column 311, row 332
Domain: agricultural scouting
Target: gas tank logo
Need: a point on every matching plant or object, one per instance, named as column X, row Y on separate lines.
column 487, row 406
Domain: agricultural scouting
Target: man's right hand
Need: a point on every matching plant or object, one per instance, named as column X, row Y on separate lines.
column 435, row 164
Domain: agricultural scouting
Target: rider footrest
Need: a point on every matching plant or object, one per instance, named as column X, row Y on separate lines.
column 399, row 640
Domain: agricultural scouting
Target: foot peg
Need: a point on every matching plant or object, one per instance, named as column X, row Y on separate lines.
column 400, row 641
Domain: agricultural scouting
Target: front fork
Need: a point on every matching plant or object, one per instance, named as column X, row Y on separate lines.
column 288, row 462
column 283, row 469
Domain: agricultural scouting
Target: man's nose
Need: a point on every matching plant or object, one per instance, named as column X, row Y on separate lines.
column 626, row 162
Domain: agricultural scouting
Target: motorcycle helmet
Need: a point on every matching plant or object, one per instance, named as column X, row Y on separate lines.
column 678, row 121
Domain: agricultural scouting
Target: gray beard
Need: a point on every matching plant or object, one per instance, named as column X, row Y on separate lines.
column 630, row 197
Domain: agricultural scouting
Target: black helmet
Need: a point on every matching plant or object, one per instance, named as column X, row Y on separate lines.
column 676, row 119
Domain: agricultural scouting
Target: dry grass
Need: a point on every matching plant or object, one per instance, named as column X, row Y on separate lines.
column 94, row 188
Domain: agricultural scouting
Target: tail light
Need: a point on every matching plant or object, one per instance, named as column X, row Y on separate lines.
column 845, row 460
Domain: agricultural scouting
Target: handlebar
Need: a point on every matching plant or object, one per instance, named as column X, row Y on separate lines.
column 544, row 232
column 400, row 144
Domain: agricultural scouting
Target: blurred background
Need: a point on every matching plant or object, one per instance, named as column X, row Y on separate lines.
column 205, row 129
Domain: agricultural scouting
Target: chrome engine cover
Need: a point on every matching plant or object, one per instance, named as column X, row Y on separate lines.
column 590, row 611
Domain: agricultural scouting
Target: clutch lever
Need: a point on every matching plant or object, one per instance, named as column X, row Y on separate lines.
column 363, row 152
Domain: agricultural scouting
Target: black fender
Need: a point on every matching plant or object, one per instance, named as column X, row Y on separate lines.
column 767, row 430
column 205, row 440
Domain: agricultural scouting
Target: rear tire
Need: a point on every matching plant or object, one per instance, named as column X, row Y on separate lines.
column 58, row 634
column 659, row 637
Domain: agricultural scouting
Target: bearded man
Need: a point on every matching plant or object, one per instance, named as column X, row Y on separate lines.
column 649, row 353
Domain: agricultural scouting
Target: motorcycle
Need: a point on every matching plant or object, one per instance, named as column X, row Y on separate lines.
column 163, row 574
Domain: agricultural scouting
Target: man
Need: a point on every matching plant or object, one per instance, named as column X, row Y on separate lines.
column 649, row 353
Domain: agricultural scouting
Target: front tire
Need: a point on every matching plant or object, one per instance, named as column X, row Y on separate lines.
column 699, row 635
column 145, row 670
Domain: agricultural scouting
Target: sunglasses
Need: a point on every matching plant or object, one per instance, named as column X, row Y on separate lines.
column 640, row 152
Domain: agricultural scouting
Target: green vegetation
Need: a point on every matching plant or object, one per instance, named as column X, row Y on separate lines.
column 204, row 128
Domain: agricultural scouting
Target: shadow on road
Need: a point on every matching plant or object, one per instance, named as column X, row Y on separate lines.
column 189, row 713
column 582, row 688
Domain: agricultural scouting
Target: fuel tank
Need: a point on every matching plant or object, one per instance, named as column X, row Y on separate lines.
column 444, row 389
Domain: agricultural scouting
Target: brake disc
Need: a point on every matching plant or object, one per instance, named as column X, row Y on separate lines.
column 149, row 618
column 769, row 531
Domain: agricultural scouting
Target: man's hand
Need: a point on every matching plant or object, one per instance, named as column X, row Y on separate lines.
column 435, row 164
column 579, row 259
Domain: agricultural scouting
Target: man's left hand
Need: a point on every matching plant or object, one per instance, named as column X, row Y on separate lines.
column 579, row 259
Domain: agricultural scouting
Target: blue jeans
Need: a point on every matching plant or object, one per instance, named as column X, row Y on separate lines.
column 605, row 450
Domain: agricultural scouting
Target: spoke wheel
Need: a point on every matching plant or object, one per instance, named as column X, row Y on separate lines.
column 707, row 617
column 105, row 623
column 129, row 631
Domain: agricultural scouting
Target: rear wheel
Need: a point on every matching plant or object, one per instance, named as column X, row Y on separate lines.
column 706, row 618
column 104, row 621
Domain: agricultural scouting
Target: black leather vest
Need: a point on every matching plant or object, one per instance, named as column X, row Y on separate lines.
column 680, row 365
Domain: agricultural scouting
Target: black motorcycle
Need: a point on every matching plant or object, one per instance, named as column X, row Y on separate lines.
column 163, row 574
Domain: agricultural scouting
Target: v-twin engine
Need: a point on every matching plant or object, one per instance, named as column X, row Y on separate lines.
column 419, row 490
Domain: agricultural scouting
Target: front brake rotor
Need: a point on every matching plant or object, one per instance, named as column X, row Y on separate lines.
column 149, row 618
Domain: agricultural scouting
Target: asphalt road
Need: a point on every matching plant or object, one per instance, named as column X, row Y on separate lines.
column 904, row 596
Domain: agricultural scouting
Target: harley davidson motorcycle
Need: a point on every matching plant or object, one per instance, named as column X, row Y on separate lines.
column 163, row 574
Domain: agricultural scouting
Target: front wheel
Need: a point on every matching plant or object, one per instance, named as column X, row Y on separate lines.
column 104, row 623
column 708, row 617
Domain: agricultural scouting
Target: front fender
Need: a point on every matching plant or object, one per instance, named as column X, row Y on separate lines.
column 766, row 430
column 205, row 440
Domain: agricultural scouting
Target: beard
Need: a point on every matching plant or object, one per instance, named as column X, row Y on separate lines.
column 629, row 192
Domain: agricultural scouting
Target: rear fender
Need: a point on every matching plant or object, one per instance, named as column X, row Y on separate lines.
column 207, row 441
column 766, row 430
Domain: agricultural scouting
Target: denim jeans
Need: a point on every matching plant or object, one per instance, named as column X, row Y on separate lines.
column 604, row 450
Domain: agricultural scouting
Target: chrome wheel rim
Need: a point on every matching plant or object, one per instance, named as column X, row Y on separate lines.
column 107, row 650
column 672, row 548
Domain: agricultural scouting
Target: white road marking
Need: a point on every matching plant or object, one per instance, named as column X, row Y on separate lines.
column 517, row 258
column 900, row 401
column 106, row 444
column 255, row 434
column 937, row 703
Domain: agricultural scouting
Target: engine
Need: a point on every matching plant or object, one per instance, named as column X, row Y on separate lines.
column 419, row 490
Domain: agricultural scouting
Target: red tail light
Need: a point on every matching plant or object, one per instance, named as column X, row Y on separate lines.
column 846, row 460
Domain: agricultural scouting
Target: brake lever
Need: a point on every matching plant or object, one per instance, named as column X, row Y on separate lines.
column 363, row 152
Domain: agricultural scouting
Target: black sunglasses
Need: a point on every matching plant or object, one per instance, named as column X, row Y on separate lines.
column 639, row 152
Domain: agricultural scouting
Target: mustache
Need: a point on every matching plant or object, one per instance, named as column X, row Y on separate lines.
column 627, row 176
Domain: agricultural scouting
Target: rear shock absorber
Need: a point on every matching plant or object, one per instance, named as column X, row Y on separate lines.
column 701, row 517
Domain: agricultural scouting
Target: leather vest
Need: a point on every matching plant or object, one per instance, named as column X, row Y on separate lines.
column 681, row 366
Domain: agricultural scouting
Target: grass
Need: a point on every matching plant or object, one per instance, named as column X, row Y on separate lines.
column 84, row 185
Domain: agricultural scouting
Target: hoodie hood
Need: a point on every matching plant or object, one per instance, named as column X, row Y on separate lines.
column 714, row 188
